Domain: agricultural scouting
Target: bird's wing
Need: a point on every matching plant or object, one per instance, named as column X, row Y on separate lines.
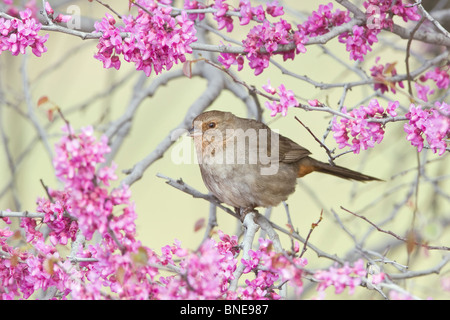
column 291, row 151
column 288, row 150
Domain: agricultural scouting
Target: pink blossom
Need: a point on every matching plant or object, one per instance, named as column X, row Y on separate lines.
column 59, row 18
column 423, row 91
column 321, row 21
column 359, row 42
column 245, row 9
column 386, row 10
column 439, row 76
column 63, row 18
column 403, row 10
column 300, row 39
column 7, row 220
column 378, row 278
column 286, row 100
column 252, row 262
column 365, row 134
column 264, row 39
column 395, row 295
column 431, row 124
column 155, row 42
column 259, row 13
column 205, row 274
column 229, row 59
column 89, row 201
column 379, row 73
column 268, row 88
column 227, row 243
column 48, row 8
column 192, row 5
column 18, row 34
column 341, row 277
column 265, row 36
column 223, row 20
column 274, row 9
column 392, row 106
column 445, row 283
column 14, row 9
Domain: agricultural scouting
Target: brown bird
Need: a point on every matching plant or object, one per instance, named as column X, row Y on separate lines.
column 247, row 165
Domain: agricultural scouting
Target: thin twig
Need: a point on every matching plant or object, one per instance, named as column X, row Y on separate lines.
column 328, row 151
column 110, row 8
column 313, row 226
column 395, row 235
column 408, row 48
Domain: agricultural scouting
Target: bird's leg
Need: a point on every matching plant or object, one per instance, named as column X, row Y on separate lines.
column 242, row 212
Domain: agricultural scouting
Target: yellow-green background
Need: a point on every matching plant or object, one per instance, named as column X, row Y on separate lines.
column 164, row 213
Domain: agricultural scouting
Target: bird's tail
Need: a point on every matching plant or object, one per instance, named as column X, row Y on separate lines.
column 308, row 165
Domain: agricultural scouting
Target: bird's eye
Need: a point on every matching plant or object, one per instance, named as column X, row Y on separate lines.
column 211, row 125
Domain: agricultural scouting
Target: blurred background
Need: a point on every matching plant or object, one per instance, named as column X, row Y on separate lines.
column 88, row 94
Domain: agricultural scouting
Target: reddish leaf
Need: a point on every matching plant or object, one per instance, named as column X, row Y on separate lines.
column 389, row 68
column 120, row 275
column 42, row 100
column 14, row 260
column 290, row 227
column 17, row 235
column 187, row 69
column 140, row 258
column 411, row 241
column 48, row 266
column 50, row 115
column 200, row 223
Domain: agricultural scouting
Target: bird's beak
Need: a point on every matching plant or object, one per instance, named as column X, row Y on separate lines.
column 194, row 132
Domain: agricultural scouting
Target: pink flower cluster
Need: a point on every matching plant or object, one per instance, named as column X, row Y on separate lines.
column 263, row 40
column 433, row 124
column 128, row 274
column 18, row 34
column 59, row 18
column 14, row 10
column 267, row 37
column 379, row 72
column 223, row 20
column 247, row 12
column 193, row 5
column 90, row 201
column 359, row 42
column 202, row 275
column 321, row 21
column 423, row 91
column 341, row 278
column 270, row 267
column 152, row 41
column 286, row 99
column 380, row 12
column 62, row 226
column 22, row 272
column 12, row 271
column 229, row 59
column 85, row 205
column 379, row 15
column 440, row 76
column 365, row 133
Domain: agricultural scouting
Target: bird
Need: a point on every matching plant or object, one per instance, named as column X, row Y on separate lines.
column 246, row 165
